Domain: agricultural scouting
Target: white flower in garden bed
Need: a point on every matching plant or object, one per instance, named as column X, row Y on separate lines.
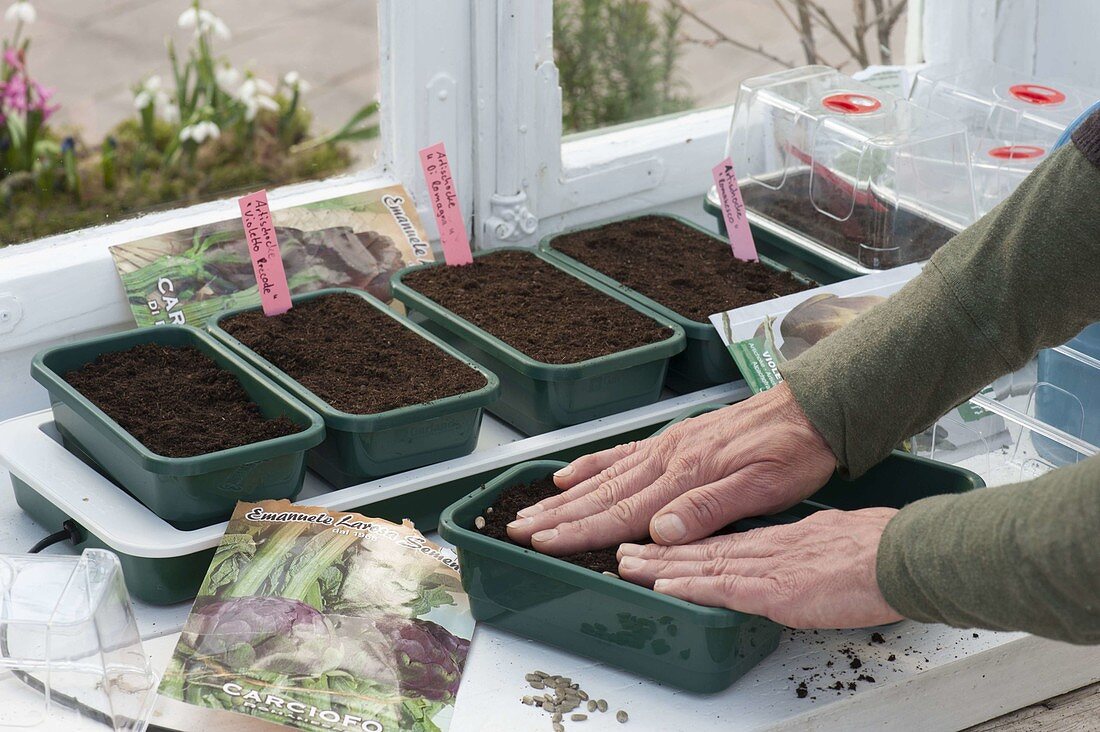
column 295, row 81
column 204, row 21
column 200, row 132
column 21, row 12
column 228, row 78
column 256, row 94
column 152, row 92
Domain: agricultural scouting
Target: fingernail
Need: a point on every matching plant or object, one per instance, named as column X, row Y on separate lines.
column 529, row 511
column 545, row 535
column 669, row 527
column 520, row 523
column 564, row 472
column 630, row 563
column 660, row 585
column 630, row 550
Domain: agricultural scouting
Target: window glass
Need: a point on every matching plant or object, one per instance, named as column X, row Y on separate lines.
column 109, row 108
column 627, row 60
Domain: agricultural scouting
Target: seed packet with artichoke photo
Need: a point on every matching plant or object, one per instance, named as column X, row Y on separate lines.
column 190, row 276
column 325, row 620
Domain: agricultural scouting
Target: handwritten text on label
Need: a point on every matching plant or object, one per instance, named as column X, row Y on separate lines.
column 733, row 211
column 444, row 203
column 263, row 247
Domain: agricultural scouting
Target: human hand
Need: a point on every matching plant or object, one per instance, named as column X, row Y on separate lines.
column 749, row 459
column 816, row 573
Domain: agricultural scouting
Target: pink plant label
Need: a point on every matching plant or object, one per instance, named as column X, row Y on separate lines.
column 733, row 211
column 263, row 246
column 444, row 201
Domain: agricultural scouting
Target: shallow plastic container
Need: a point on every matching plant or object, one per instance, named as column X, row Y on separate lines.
column 537, row 397
column 705, row 361
column 1013, row 119
column 191, row 490
column 869, row 176
column 68, row 631
column 689, row 646
column 359, row 447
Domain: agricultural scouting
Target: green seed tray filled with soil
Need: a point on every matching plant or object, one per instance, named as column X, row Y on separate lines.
column 393, row 396
column 566, row 350
column 681, row 271
column 178, row 420
column 573, row 605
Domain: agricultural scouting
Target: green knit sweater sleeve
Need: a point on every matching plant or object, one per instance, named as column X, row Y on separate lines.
column 1024, row 277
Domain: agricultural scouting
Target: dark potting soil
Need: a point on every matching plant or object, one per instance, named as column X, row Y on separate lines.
column 175, row 401
column 536, row 308
column 512, row 499
column 679, row 266
column 792, row 206
column 355, row 358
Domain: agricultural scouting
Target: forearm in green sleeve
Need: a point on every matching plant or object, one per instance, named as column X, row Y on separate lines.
column 1017, row 557
column 1025, row 276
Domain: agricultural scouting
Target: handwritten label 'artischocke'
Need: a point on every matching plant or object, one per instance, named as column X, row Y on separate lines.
column 444, row 201
column 263, row 247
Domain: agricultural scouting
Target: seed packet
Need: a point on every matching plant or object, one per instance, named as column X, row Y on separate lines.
column 192, row 275
column 325, row 620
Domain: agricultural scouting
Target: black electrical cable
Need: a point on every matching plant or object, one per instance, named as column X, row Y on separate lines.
column 70, row 531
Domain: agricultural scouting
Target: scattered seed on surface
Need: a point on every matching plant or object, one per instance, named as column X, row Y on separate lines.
column 591, row 705
column 612, row 574
column 489, row 510
column 601, row 704
column 556, row 717
column 533, row 677
column 528, row 700
column 479, row 523
column 582, row 694
column 537, row 685
column 621, row 716
column 559, row 727
column 578, row 717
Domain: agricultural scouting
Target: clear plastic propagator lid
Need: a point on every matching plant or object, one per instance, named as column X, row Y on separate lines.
column 70, row 645
column 851, row 168
column 1013, row 120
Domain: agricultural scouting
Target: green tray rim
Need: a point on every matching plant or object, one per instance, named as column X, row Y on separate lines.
column 348, row 421
column 520, row 361
column 61, row 390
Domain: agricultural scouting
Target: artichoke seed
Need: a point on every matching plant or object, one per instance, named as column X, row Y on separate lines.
column 479, row 523
column 621, row 716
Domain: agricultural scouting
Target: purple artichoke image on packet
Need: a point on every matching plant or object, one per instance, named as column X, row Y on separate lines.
column 318, row 619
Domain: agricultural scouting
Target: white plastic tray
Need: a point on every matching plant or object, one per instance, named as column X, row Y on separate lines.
column 32, row 452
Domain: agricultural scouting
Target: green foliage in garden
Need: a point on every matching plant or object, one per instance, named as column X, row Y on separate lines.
column 617, row 61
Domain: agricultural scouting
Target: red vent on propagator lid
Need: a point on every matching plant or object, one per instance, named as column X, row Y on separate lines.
column 1037, row 94
column 851, row 103
column 1017, row 152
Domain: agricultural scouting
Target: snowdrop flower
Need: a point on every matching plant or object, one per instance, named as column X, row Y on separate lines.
column 294, row 80
column 200, row 132
column 21, row 11
column 256, row 94
column 203, row 21
column 151, row 92
column 227, row 77
column 170, row 113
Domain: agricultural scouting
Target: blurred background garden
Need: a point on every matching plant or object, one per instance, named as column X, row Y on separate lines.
column 109, row 108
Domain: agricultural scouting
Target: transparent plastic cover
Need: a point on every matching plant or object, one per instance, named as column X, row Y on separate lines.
column 871, row 176
column 1013, row 119
column 70, row 645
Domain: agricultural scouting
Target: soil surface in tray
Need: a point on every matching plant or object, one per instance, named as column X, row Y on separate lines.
column 520, row 496
column 791, row 206
column 357, row 359
column 676, row 265
column 536, row 308
column 175, row 401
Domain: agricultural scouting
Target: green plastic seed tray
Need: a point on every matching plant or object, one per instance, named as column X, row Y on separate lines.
column 184, row 491
column 360, row 447
column 705, row 361
column 701, row 649
column 537, row 397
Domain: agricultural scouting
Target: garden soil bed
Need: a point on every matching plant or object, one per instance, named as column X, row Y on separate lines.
column 176, row 401
column 678, row 266
column 355, row 358
column 792, row 207
column 536, row 308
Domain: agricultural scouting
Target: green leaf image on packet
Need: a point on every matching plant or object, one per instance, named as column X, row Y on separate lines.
column 324, row 620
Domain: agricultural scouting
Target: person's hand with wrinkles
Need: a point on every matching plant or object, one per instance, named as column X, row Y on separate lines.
column 753, row 458
column 816, row 573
